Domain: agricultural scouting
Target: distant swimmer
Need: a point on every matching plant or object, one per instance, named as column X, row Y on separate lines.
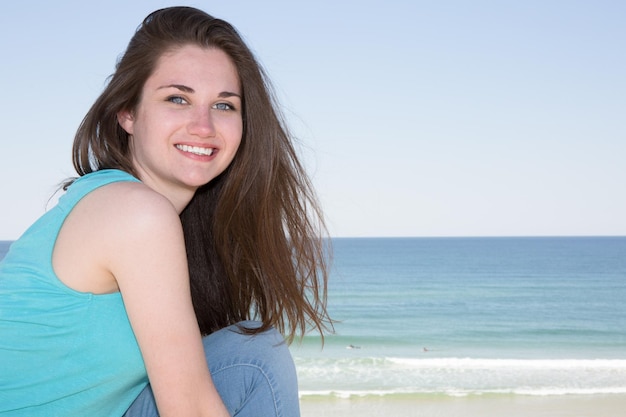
column 353, row 347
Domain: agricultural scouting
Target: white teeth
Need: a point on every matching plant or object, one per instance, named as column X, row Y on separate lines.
column 196, row 150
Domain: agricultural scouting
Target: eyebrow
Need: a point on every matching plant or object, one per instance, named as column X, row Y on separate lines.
column 185, row 89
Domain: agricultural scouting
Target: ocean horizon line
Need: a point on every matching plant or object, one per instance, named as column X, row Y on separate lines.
column 481, row 237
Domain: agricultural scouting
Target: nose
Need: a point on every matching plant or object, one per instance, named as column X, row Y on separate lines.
column 201, row 123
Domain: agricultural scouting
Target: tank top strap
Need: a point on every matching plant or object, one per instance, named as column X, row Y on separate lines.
column 89, row 182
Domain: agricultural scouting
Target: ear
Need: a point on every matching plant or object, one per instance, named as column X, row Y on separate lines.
column 126, row 119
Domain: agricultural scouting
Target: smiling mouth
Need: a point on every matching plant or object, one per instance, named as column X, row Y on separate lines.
column 196, row 150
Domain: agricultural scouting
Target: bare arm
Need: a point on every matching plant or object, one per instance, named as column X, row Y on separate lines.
column 146, row 255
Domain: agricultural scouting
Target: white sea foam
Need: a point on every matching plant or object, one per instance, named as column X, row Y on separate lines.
column 357, row 377
column 407, row 393
column 474, row 363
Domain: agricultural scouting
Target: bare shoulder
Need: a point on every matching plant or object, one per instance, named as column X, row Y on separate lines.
column 106, row 227
column 132, row 216
column 130, row 202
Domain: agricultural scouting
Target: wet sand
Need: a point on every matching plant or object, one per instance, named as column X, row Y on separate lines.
column 609, row 405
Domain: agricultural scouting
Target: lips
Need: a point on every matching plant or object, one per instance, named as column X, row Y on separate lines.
column 196, row 150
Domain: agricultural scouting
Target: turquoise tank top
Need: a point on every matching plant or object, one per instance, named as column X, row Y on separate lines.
column 63, row 352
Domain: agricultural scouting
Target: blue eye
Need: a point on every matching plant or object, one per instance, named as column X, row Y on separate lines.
column 177, row 100
column 223, row 106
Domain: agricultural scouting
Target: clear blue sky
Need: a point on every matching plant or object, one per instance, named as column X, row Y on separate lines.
column 416, row 118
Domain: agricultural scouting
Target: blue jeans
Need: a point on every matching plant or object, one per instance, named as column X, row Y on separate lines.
column 254, row 375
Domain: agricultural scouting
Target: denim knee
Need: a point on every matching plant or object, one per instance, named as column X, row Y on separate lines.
column 254, row 374
column 268, row 346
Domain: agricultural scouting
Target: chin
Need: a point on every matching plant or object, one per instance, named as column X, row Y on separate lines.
column 199, row 181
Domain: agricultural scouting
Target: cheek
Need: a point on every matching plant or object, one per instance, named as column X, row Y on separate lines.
column 235, row 144
column 235, row 135
column 238, row 137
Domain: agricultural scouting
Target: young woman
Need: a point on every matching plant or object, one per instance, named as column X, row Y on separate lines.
column 191, row 217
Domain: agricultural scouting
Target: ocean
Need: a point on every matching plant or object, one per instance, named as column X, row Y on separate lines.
column 451, row 317
column 423, row 317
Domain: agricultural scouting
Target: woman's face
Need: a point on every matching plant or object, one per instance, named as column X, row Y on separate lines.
column 188, row 125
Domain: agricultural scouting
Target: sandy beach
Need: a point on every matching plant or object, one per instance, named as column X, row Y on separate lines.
column 610, row 405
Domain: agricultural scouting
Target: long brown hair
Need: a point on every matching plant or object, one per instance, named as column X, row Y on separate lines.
column 255, row 234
